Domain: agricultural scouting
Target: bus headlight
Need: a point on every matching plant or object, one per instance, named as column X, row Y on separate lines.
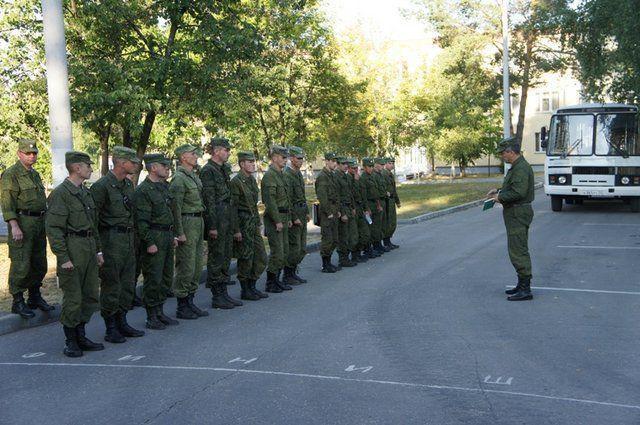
column 563, row 180
column 624, row 180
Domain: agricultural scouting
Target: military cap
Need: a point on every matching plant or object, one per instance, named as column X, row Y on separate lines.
column 27, row 146
column 390, row 159
column 279, row 150
column 353, row 162
column 75, row 157
column 379, row 161
column 342, row 159
column 296, row 151
column 219, row 142
column 330, row 156
column 508, row 143
column 125, row 153
column 246, row 156
column 367, row 162
column 152, row 158
column 184, row 149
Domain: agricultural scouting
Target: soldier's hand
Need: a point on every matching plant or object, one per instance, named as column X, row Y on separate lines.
column 16, row 232
column 181, row 239
column 174, row 243
column 290, row 224
column 153, row 249
column 380, row 208
column 330, row 216
column 399, row 205
column 308, row 218
column 367, row 212
column 100, row 259
column 213, row 234
column 344, row 218
column 353, row 211
column 67, row 266
column 491, row 193
column 279, row 227
column 237, row 236
column 297, row 222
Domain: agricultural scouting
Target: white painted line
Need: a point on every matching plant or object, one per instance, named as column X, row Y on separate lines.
column 611, row 224
column 333, row 378
column 598, row 247
column 595, row 291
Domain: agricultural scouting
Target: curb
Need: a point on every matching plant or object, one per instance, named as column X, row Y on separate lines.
column 12, row 322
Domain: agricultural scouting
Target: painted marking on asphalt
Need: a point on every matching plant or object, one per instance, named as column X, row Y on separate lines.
column 593, row 291
column 498, row 381
column 353, row 368
column 599, row 247
column 335, row 378
column 32, row 355
column 240, row 359
column 130, row 358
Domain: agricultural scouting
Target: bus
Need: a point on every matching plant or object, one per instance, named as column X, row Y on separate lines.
column 593, row 152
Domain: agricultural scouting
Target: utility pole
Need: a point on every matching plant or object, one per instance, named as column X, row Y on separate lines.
column 506, row 97
column 57, row 86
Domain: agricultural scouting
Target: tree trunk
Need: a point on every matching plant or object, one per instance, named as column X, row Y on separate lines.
column 524, row 90
column 104, row 135
column 127, row 139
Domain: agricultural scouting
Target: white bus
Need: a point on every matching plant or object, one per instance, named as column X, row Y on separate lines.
column 593, row 151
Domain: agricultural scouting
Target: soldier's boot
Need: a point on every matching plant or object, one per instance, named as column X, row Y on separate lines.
column 343, row 261
column 284, row 286
column 524, row 293
column 327, row 267
column 112, row 333
column 382, row 247
column 288, row 277
column 153, row 322
column 197, row 310
column 85, row 343
column 246, row 293
column 164, row 318
column 362, row 255
column 252, row 284
column 230, row 282
column 183, row 311
column 137, row 302
column 379, row 249
column 373, row 251
column 356, row 257
column 298, row 278
column 124, row 328
column 19, row 307
column 515, row 289
column 229, row 298
column 35, row 300
column 71, row 348
column 272, row 283
column 217, row 298
column 389, row 244
column 170, row 294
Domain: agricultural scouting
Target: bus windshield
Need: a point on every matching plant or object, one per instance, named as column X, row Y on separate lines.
column 571, row 135
column 617, row 135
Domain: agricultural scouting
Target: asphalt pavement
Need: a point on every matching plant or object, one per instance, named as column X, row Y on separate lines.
column 422, row 335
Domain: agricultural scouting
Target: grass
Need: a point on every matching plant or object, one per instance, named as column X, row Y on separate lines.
column 416, row 199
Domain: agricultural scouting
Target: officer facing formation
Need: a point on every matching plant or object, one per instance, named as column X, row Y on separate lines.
column 328, row 195
column 516, row 196
column 113, row 196
column 155, row 225
column 24, row 206
column 299, row 216
column 392, row 202
column 72, row 229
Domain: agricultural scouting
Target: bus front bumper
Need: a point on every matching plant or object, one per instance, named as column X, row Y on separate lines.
column 593, row 191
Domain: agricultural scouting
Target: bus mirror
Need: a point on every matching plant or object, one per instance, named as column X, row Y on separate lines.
column 543, row 138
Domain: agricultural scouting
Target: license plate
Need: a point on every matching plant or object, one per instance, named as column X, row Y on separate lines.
column 594, row 193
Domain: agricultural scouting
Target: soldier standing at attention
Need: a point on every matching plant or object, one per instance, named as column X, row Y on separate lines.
column 24, row 205
column 215, row 176
column 248, row 244
column 346, row 244
column 113, row 196
column 516, row 197
column 188, row 208
column 72, row 228
column 157, row 242
column 374, row 204
column 328, row 197
column 393, row 202
column 379, row 178
column 359, row 226
column 300, row 216
column 277, row 217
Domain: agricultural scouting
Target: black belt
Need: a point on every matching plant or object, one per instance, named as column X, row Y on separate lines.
column 518, row 205
column 198, row 214
column 283, row 210
column 161, row 227
column 81, row 233
column 119, row 229
column 372, row 200
column 383, row 197
column 32, row 213
column 301, row 204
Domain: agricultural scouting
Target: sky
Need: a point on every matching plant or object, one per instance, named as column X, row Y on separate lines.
column 380, row 19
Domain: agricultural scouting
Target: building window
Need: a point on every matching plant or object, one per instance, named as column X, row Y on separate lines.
column 539, row 148
column 548, row 101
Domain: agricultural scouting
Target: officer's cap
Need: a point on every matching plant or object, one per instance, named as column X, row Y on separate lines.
column 296, row 151
column 219, row 142
column 330, row 156
column 125, row 153
column 246, row 156
column 153, row 158
column 367, row 162
column 279, row 150
column 27, row 146
column 76, row 157
column 184, row 149
column 508, row 143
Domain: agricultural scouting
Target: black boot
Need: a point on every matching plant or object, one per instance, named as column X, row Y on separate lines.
column 383, row 248
column 19, row 307
column 124, row 327
column 298, row 278
column 225, row 294
column 272, row 283
column 363, row 257
column 373, row 252
column 218, row 299
column 389, row 244
column 327, row 267
column 137, row 301
column 164, row 318
column 112, row 333
column 170, row 294
column 246, row 293
column 85, row 343
column 35, row 300
column 288, row 277
column 252, row 284
column 524, row 293
column 281, row 284
column 71, row 348
column 197, row 310
column 153, row 322
column 515, row 289
column 343, row 261
column 184, row 311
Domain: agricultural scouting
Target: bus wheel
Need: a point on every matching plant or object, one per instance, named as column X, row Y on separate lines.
column 556, row 203
column 635, row 205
